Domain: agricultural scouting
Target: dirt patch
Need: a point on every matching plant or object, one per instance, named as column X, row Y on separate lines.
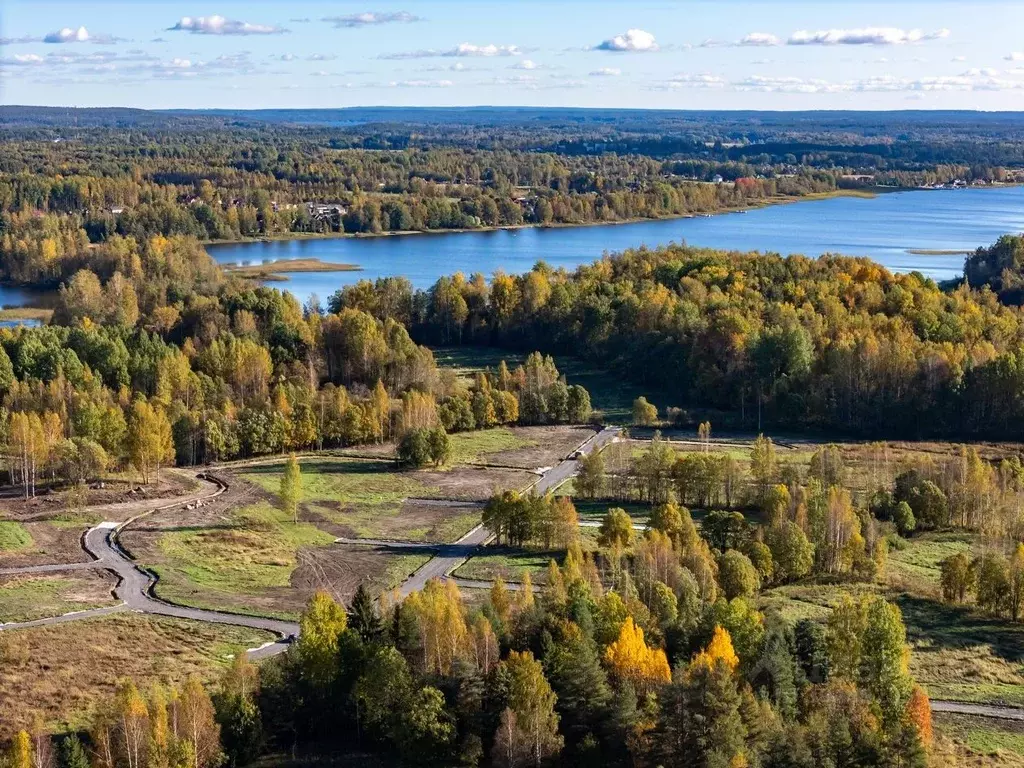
column 50, row 504
column 545, row 446
column 51, row 543
column 440, row 521
column 473, row 483
column 61, row 670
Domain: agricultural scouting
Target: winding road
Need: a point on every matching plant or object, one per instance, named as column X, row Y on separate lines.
column 135, row 584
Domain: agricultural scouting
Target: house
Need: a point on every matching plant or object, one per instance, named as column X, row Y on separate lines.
column 117, row 210
column 325, row 210
column 717, row 179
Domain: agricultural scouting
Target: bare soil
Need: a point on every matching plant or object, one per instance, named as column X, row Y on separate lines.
column 550, row 446
column 471, row 483
column 117, row 496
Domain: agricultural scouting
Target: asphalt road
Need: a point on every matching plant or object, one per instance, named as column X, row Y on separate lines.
column 135, row 585
column 979, row 710
column 451, row 556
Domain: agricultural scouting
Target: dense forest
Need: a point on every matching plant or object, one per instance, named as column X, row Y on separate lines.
column 831, row 343
column 68, row 185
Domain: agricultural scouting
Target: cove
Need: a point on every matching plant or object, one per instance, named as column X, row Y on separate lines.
column 885, row 228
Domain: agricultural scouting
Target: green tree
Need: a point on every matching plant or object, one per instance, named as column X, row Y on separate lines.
column 956, row 575
column 616, row 530
column 321, row 626
column 291, row 488
column 532, row 703
column 363, row 617
column 737, row 576
column 993, row 575
column 884, row 659
column 792, row 553
column 573, row 667
column 645, row 414
column 590, row 479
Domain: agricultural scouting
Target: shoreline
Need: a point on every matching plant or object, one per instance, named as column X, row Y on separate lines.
column 865, row 194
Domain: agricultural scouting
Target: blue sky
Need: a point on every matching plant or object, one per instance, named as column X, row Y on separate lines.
column 682, row 54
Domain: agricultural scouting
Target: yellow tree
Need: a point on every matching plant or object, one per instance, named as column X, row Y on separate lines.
column 197, row 725
column 21, row 751
column 630, row 659
column 442, row 623
column 719, row 649
column 150, row 443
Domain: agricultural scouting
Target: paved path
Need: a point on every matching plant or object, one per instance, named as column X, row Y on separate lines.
column 451, row 556
column 979, row 710
column 135, row 585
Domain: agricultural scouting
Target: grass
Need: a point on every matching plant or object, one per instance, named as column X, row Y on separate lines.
column 257, row 551
column 509, row 564
column 61, row 670
column 915, row 567
column 14, row 537
column 351, row 481
column 473, row 447
column 995, row 742
column 809, row 600
column 26, row 598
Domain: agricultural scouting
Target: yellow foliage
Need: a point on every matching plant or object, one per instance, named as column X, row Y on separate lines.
column 719, row 649
column 629, row 658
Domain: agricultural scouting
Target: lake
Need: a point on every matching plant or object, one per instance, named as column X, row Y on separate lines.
column 884, row 228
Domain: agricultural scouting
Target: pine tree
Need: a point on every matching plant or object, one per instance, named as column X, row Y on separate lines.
column 574, row 670
column 72, row 753
column 363, row 617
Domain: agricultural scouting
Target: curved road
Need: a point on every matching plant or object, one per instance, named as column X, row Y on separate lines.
column 135, row 585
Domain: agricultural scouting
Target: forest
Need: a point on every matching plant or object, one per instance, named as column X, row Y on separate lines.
column 645, row 644
column 66, row 189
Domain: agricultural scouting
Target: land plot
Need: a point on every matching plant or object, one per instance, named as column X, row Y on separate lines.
column 37, row 596
column 61, row 670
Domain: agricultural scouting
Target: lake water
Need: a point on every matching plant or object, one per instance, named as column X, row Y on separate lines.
column 884, row 228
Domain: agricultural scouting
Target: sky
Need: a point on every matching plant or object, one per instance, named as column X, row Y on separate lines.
column 672, row 54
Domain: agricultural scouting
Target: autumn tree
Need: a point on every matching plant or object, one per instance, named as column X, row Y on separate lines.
column 291, row 488
column 631, row 660
column 150, row 444
column 531, row 728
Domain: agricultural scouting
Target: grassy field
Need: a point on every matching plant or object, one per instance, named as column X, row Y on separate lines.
column 509, row 564
column 14, row 537
column 60, row 670
column 983, row 742
column 472, row 447
column 29, row 597
column 258, row 550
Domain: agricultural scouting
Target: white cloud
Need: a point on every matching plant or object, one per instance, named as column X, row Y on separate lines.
column 1015, row 56
column 865, row 36
column 68, row 35
column 421, row 84
column 635, row 40
column 525, row 64
column 981, row 72
column 960, row 58
column 321, row 57
column 218, row 25
column 606, row 72
column 462, row 50
column 370, row 18
column 703, row 80
column 760, row 39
